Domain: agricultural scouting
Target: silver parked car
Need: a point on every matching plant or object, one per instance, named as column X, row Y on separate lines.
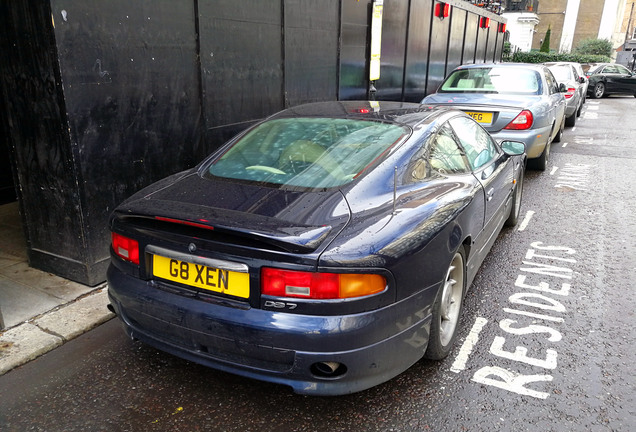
column 512, row 101
column 576, row 85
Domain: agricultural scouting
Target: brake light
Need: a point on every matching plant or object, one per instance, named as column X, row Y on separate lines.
column 126, row 248
column 185, row 222
column 570, row 92
column 313, row 285
column 522, row 122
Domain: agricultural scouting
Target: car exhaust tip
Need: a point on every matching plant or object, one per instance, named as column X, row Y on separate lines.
column 328, row 369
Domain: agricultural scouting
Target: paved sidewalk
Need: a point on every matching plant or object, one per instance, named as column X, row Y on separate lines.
column 40, row 311
column 26, row 341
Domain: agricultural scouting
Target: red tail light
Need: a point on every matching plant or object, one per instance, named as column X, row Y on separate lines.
column 126, row 248
column 311, row 285
column 570, row 92
column 522, row 122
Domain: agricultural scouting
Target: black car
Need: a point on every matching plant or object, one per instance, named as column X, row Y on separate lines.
column 608, row 78
column 327, row 248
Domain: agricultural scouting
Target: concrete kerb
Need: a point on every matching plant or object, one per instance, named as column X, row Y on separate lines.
column 41, row 334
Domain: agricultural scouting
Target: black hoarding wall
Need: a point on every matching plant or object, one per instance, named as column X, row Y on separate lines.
column 38, row 141
column 103, row 98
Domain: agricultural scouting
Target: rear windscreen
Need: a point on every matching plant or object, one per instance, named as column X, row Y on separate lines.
column 306, row 152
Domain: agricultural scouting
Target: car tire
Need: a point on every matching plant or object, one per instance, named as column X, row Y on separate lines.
column 570, row 121
column 599, row 90
column 447, row 309
column 515, row 210
column 559, row 135
column 578, row 111
column 541, row 163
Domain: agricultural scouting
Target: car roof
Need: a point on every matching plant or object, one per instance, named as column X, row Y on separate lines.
column 535, row 66
column 402, row 113
column 550, row 64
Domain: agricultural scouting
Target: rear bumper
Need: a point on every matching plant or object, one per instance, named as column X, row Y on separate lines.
column 277, row 347
column 534, row 139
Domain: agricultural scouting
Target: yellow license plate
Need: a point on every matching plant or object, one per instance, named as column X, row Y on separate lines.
column 481, row 117
column 200, row 276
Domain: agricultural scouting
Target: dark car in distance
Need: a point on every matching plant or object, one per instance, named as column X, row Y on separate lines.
column 328, row 248
column 608, row 78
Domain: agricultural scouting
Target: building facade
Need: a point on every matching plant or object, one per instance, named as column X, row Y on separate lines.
column 572, row 21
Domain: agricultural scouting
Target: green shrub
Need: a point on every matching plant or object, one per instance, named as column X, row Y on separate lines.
column 601, row 47
column 542, row 57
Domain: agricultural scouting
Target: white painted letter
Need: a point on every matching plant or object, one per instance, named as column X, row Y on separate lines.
column 510, row 381
column 506, row 325
column 567, row 250
column 496, row 348
column 547, row 270
column 543, row 286
column 550, row 304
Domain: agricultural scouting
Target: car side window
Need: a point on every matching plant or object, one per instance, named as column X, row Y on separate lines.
column 445, row 155
column 622, row 70
column 552, row 83
column 477, row 143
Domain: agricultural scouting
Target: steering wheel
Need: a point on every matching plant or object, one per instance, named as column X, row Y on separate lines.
column 265, row 168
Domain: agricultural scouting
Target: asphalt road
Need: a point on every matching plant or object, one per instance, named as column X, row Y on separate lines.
column 546, row 341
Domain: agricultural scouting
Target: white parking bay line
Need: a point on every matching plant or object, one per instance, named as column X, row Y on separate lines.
column 526, row 220
column 467, row 347
column 554, row 169
column 564, row 145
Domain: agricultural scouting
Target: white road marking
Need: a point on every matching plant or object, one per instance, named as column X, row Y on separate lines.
column 554, row 169
column 564, row 145
column 526, row 220
column 533, row 315
column 467, row 347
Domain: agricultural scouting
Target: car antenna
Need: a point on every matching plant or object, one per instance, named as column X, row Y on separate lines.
column 394, row 189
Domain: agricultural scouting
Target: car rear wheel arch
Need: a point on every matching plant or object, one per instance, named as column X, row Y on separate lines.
column 447, row 308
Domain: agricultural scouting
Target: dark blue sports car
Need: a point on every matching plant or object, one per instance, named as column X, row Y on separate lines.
column 327, row 248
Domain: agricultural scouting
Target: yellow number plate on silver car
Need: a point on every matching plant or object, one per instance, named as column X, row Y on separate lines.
column 481, row 117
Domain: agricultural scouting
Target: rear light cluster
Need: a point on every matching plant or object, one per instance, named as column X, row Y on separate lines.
column 126, row 248
column 522, row 122
column 311, row 285
column 287, row 283
column 570, row 92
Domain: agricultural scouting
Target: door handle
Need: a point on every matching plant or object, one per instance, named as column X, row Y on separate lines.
column 490, row 193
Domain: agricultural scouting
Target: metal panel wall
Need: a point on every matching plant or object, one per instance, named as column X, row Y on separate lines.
column 419, row 34
column 470, row 42
column 241, row 54
column 490, row 44
column 354, row 50
column 440, row 34
column 131, row 91
column 37, row 133
column 456, row 42
column 311, row 50
column 394, row 24
column 482, row 40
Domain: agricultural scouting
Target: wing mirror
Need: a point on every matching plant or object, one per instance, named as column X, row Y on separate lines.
column 513, row 148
